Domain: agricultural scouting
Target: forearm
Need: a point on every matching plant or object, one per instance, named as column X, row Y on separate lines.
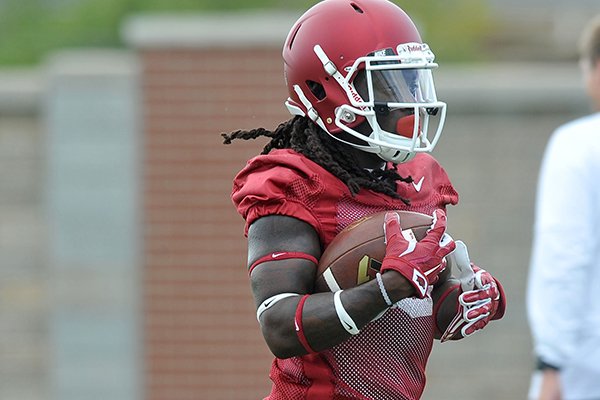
column 550, row 388
column 320, row 324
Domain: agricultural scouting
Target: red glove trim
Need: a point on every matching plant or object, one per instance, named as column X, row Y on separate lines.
column 282, row 255
column 502, row 302
column 299, row 327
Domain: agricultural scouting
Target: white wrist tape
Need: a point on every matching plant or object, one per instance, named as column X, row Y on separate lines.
column 270, row 302
column 345, row 319
column 384, row 293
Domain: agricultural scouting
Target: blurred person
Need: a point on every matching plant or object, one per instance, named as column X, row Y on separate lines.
column 564, row 277
column 365, row 119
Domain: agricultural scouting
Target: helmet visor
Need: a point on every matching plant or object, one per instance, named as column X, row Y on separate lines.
column 406, row 87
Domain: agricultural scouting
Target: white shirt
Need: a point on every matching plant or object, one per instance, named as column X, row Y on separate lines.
column 563, row 296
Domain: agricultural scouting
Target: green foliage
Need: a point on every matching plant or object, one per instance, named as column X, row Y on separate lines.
column 29, row 29
column 455, row 29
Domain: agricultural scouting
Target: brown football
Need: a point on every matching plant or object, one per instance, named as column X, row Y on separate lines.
column 354, row 256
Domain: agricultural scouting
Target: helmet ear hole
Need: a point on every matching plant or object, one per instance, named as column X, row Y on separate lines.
column 316, row 89
column 293, row 36
column 357, row 8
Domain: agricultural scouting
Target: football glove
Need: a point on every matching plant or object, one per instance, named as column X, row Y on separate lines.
column 482, row 298
column 420, row 262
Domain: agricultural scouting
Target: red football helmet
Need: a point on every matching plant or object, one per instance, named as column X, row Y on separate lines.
column 360, row 67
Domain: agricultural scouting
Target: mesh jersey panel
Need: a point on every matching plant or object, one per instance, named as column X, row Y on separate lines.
column 305, row 191
column 347, row 212
column 385, row 361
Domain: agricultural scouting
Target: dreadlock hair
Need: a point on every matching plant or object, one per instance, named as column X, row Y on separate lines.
column 305, row 137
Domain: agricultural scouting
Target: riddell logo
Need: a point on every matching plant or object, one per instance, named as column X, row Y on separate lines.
column 410, row 48
column 355, row 96
column 414, row 53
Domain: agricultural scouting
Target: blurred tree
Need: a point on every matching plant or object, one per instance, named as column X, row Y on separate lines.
column 29, row 29
column 456, row 30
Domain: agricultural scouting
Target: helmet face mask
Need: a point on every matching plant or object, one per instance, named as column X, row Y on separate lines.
column 384, row 97
column 395, row 95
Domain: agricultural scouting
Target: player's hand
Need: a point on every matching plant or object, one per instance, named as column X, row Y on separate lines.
column 419, row 262
column 478, row 306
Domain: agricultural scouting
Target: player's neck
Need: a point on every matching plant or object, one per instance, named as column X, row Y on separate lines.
column 367, row 160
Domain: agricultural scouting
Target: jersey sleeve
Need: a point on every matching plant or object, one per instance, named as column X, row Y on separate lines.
column 431, row 187
column 282, row 184
column 444, row 191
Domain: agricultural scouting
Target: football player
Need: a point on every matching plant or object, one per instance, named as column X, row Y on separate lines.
column 365, row 118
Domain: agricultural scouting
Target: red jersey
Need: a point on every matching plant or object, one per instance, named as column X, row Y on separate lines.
column 387, row 359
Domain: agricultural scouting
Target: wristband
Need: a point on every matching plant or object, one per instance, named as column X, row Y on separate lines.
column 271, row 301
column 383, row 291
column 345, row 319
column 282, row 255
column 299, row 327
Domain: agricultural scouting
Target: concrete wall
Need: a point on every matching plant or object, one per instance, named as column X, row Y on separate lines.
column 91, row 186
column 23, row 292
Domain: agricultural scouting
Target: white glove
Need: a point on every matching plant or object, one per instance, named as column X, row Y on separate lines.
column 478, row 301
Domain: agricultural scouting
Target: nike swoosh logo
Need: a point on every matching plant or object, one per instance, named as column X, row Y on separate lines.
column 275, row 255
column 428, row 272
column 297, row 327
column 267, row 304
column 419, row 184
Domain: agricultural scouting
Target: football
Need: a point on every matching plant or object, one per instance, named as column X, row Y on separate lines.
column 354, row 256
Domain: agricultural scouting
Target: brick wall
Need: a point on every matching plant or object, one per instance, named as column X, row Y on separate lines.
column 201, row 338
